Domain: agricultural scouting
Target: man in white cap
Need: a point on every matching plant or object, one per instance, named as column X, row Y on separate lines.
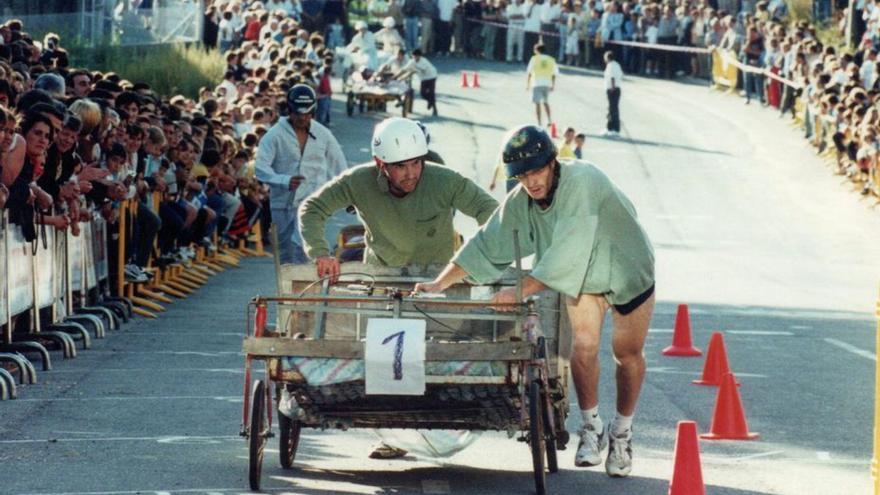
column 364, row 43
column 389, row 37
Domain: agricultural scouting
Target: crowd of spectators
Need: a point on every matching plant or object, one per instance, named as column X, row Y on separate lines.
column 76, row 142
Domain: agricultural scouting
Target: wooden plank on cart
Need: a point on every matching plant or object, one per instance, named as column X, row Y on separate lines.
column 435, row 351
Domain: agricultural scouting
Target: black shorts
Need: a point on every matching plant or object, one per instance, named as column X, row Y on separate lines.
column 631, row 306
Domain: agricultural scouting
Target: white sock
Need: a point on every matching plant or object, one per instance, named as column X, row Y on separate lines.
column 591, row 417
column 621, row 423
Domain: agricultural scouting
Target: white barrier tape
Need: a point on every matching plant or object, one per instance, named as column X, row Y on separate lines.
column 730, row 60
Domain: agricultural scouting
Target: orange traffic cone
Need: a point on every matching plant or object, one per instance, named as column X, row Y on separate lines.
column 681, row 337
column 476, row 80
column 716, row 365
column 687, row 474
column 553, row 133
column 464, row 82
column 729, row 419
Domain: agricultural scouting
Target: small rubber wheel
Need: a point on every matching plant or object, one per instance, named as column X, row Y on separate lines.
column 288, row 439
column 536, row 436
column 258, row 434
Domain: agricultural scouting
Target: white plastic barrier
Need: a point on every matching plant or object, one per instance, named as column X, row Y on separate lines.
column 4, row 310
column 44, row 270
column 20, row 281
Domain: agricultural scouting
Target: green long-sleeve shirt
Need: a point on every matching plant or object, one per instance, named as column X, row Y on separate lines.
column 588, row 241
column 414, row 229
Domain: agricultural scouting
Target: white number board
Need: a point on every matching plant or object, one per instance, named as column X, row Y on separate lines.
column 394, row 357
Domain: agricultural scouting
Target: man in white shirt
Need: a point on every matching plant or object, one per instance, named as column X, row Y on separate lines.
column 421, row 67
column 613, row 79
column 868, row 70
column 515, row 13
column 532, row 26
column 445, row 8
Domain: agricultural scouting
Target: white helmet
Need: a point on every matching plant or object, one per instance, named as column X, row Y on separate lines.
column 397, row 139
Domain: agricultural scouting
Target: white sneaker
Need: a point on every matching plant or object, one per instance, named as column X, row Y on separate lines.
column 619, row 462
column 590, row 447
column 606, row 133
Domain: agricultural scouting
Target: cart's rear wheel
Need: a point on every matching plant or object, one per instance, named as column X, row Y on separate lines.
column 349, row 104
column 549, row 433
column 258, row 433
column 288, row 439
column 536, row 435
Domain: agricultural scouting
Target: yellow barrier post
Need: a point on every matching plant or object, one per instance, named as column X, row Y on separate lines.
column 875, row 463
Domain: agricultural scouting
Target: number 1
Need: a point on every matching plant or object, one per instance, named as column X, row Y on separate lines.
column 398, row 353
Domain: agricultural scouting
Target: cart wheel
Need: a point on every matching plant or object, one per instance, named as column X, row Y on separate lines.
column 258, row 434
column 549, row 434
column 536, row 435
column 360, row 105
column 349, row 104
column 288, row 439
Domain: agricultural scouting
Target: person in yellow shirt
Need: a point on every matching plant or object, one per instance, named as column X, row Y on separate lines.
column 541, row 79
column 566, row 146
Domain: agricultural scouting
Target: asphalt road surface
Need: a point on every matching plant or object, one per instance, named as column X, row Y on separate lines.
column 751, row 230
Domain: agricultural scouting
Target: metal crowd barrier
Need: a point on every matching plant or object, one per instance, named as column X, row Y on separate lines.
column 59, row 292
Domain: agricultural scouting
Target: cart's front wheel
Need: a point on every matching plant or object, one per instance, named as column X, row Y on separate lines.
column 258, row 433
column 288, row 439
column 536, row 435
column 349, row 104
column 550, row 435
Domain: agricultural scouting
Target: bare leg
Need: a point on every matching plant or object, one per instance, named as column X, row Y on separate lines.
column 547, row 109
column 628, row 343
column 538, row 112
column 586, row 314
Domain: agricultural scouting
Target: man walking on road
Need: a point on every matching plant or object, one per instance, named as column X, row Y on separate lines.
column 296, row 157
column 613, row 79
column 541, row 79
column 427, row 73
column 589, row 247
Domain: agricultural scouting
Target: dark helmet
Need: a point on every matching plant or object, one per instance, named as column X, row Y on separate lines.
column 301, row 99
column 527, row 148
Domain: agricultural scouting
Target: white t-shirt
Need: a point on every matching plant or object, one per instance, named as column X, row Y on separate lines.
column 651, row 34
column 867, row 72
column 513, row 10
column 614, row 73
column 550, row 13
column 446, row 7
column 532, row 13
column 424, row 69
column 227, row 30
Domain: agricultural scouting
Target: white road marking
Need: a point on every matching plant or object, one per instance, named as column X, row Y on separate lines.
column 758, row 332
column 800, row 327
column 853, row 349
column 823, row 456
column 163, row 439
column 238, row 371
column 668, row 370
column 435, row 486
column 660, row 330
column 727, row 460
column 229, row 398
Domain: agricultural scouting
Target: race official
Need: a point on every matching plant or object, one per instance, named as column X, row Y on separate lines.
column 295, row 158
column 589, row 247
column 406, row 204
column 613, row 76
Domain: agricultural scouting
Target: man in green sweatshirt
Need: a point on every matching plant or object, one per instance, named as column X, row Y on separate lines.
column 590, row 247
column 406, row 204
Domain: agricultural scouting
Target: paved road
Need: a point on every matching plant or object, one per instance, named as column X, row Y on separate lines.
column 751, row 230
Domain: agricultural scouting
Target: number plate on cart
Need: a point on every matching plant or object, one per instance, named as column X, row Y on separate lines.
column 394, row 357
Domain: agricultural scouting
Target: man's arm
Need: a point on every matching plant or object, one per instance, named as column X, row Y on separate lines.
column 317, row 208
column 473, row 201
column 263, row 164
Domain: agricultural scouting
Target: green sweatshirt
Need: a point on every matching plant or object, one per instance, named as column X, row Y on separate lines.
column 414, row 229
column 588, row 241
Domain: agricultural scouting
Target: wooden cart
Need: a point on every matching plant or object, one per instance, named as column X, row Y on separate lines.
column 520, row 387
column 374, row 96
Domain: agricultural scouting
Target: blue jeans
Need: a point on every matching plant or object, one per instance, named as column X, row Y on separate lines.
column 411, row 31
column 754, row 84
column 290, row 248
column 323, row 111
